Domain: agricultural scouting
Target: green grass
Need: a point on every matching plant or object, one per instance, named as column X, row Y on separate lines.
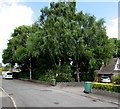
column 0, row 71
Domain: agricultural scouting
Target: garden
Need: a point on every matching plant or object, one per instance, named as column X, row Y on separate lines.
column 113, row 87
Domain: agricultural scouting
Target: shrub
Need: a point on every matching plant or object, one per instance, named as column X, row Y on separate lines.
column 116, row 78
column 24, row 75
column 50, row 75
column 61, row 74
column 0, row 71
column 5, row 69
column 116, row 88
column 88, row 76
column 41, row 78
column 106, row 86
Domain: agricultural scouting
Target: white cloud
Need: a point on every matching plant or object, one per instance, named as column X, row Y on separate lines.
column 12, row 15
column 112, row 28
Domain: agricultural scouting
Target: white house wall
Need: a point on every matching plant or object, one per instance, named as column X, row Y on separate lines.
column 117, row 65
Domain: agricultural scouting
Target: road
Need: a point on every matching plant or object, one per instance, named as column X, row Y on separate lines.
column 28, row 94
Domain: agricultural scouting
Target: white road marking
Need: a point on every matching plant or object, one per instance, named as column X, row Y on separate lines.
column 14, row 104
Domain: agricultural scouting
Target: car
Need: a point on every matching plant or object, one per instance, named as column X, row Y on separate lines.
column 7, row 75
column 3, row 72
column 105, row 80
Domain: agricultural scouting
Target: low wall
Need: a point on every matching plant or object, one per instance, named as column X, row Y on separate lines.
column 73, row 84
column 61, row 84
column 36, row 81
column 106, row 93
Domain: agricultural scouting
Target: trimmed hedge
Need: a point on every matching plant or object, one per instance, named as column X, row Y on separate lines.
column 106, row 86
column 0, row 71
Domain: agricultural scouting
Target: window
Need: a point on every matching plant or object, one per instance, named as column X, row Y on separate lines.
column 9, row 73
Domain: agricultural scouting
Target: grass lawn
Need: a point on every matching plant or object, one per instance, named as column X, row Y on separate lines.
column 0, row 71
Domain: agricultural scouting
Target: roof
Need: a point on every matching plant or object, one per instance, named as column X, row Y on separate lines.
column 110, row 68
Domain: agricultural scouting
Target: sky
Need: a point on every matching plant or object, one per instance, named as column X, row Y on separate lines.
column 14, row 13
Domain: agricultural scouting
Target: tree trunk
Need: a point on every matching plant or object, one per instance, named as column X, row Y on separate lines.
column 59, row 62
column 77, row 71
column 30, row 70
column 78, row 77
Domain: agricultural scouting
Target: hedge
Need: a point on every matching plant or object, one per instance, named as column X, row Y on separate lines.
column 116, row 78
column 106, row 86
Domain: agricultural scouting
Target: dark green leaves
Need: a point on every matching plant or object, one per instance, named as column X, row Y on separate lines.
column 63, row 36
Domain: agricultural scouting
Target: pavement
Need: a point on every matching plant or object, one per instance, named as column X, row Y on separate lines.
column 96, row 97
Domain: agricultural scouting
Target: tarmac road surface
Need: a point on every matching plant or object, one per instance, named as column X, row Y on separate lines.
column 28, row 94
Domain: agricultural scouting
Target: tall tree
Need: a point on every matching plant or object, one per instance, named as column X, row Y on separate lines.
column 17, row 47
column 62, row 36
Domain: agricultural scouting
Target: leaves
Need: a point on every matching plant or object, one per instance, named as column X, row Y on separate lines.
column 59, row 37
column 20, row 54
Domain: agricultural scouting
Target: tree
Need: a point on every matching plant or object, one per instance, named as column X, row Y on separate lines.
column 16, row 51
column 54, row 21
column 59, row 37
column 118, row 48
column 79, row 36
column 115, row 43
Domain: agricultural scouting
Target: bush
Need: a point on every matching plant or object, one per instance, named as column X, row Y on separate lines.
column 5, row 69
column 50, row 75
column 61, row 74
column 0, row 71
column 106, row 86
column 116, row 88
column 116, row 78
column 88, row 76
column 42, row 78
column 25, row 75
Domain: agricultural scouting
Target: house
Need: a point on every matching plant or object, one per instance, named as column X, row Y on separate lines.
column 112, row 68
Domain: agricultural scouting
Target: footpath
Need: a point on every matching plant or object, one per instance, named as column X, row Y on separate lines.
column 95, row 97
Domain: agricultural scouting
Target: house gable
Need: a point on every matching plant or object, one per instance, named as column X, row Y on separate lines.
column 112, row 68
column 117, row 65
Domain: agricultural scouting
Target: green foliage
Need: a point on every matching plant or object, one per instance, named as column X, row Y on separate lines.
column 50, row 75
column 62, row 74
column 60, row 35
column 116, row 78
column 24, row 75
column 5, row 69
column 102, row 86
column 118, row 53
column 116, row 46
column 0, row 71
column 20, row 54
column 106, row 86
column 42, row 78
column 87, row 76
column 116, row 88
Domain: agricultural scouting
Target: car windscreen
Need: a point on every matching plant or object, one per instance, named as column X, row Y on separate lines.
column 9, row 73
column 104, row 77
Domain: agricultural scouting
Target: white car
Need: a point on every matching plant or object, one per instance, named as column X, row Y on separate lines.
column 7, row 75
column 105, row 80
